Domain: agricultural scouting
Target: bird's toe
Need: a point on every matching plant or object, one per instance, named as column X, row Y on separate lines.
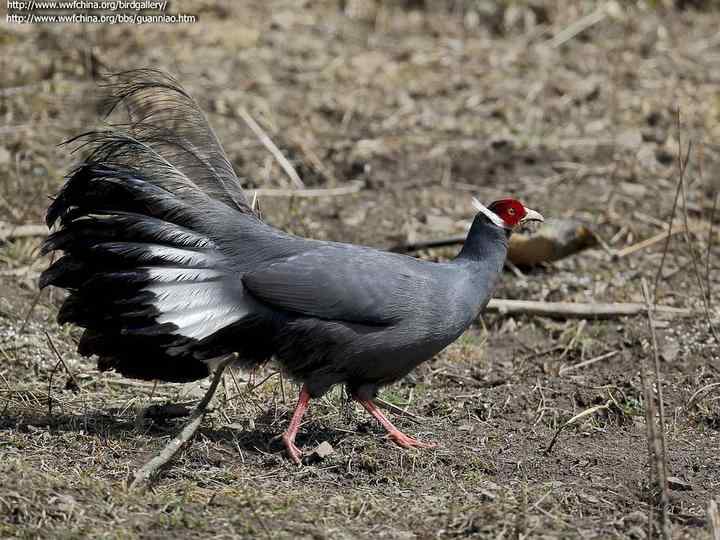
column 406, row 441
column 293, row 452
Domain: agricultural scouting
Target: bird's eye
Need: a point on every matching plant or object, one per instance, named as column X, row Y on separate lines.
column 511, row 211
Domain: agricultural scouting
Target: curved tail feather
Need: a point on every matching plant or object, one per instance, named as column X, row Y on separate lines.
column 147, row 279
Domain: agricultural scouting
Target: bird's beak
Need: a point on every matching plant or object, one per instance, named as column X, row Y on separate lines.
column 532, row 215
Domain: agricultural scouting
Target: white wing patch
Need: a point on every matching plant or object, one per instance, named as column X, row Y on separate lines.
column 197, row 308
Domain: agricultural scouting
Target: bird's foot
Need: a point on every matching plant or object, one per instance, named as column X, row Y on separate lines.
column 294, row 453
column 405, row 441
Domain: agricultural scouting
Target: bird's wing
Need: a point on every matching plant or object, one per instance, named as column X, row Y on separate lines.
column 163, row 116
column 341, row 283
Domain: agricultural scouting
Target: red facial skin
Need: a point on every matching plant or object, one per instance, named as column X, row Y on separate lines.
column 511, row 211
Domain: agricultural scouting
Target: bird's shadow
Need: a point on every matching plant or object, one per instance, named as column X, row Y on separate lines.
column 262, row 438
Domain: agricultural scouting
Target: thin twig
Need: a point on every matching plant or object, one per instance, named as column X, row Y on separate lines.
column 709, row 247
column 693, row 257
column 251, row 387
column 50, row 381
column 573, row 310
column 397, row 410
column 661, row 459
column 586, row 363
column 682, row 167
column 578, row 332
column 579, row 26
column 574, row 419
column 274, row 150
column 61, row 360
column 651, row 439
column 648, row 242
column 151, row 468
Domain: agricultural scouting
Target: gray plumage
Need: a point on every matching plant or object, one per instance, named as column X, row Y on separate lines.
column 168, row 267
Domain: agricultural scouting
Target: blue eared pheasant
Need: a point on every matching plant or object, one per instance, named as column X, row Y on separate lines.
column 168, row 268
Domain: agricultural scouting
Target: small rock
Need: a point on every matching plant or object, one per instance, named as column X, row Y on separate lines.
column 323, row 451
column 4, row 156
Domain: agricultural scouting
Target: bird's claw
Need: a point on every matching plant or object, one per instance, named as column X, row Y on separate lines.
column 294, row 453
column 405, row 441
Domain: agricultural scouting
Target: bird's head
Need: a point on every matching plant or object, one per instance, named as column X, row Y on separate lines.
column 507, row 213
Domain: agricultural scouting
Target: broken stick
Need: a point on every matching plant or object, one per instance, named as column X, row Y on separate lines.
column 272, row 148
column 13, row 232
column 171, row 448
column 573, row 310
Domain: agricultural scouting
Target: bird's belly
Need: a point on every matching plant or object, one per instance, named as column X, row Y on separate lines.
column 324, row 353
column 399, row 353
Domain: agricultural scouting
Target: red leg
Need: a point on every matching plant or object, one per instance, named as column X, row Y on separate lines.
column 396, row 435
column 289, row 435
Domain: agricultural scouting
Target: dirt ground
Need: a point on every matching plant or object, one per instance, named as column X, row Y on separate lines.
column 423, row 105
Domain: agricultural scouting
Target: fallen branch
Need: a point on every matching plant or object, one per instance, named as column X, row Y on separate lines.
column 171, row 448
column 274, row 150
column 352, row 187
column 572, row 310
column 13, row 232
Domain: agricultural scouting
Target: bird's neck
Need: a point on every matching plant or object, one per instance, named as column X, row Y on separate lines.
column 486, row 244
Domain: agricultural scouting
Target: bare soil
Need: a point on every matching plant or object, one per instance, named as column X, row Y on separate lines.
column 426, row 104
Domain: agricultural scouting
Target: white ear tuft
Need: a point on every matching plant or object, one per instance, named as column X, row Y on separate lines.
column 492, row 216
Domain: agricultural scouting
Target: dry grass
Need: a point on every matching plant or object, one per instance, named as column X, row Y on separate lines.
column 423, row 107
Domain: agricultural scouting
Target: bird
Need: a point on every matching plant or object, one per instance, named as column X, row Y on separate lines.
column 169, row 267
